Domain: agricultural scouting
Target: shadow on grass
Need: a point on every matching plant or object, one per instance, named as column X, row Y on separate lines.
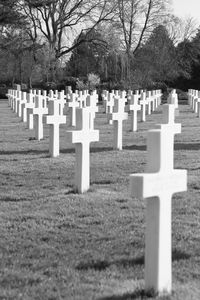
column 24, row 152
column 135, row 147
column 13, row 199
column 106, row 149
column 179, row 255
column 137, row 294
column 100, row 265
column 188, row 146
column 102, row 182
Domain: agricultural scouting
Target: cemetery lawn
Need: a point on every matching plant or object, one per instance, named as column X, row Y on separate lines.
column 56, row 244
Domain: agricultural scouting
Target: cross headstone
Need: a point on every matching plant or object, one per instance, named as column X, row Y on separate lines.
column 13, row 102
column 196, row 100
column 82, row 98
column 117, row 117
column 73, row 104
column 17, row 100
column 159, row 95
column 143, row 102
column 27, row 111
column 82, row 137
column 38, row 112
column 22, row 101
column 62, row 101
column 10, row 96
column 104, row 96
column 158, row 185
column 110, row 105
column 190, row 97
column 129, row 94
column 173, row 99
column 54, row 119
column 149, row 101
column 154, row 100
column 91, row 103
column 134, row 107
column 198, row 105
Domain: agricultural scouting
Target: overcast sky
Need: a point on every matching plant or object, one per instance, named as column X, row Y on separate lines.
column 184, row 8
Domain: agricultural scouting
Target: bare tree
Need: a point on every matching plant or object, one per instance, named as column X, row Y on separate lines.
column 181, row 29
column 135, row 20
column 59, row 21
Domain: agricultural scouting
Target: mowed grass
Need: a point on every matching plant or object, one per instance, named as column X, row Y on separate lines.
column 56, row 244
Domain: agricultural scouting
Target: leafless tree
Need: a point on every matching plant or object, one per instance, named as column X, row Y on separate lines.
column 136, row 19
column 58, row 22
column 181, row 29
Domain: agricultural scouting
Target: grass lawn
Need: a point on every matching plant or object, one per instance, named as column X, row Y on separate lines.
column 55, row 244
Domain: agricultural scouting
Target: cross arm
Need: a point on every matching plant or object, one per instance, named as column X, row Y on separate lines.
column 77, row 136
column 157, row 184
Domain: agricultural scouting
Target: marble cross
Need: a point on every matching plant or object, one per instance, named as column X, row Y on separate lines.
column 158, row 185
column 143, row 102
column 73, row 104
column 54, row 119
column 27, row 111
column 38, row 112
column 118, row 116
column 134, row 107
column 91, row 103
column 82, row 137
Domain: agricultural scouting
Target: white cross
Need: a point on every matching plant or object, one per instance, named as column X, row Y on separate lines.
column 110, row 105
column 117, row 117
column 73, row 104
column 68, row 90
column 134, row 107
column 54, row 119
column 62, row 101
column 38, row 112
column 27, row 111
column 158, row 97
column 92, row 105
column 196, row 100
column 158, row 185
column 193, row 99
column 18, row 97
column 82, row 137
column 143, row 102
column 153, row 95
column 149, row 100
column 20, row 103
column 10, row 96
column 129, row 94
column 82, row 98
column 104, row 96
column 173, row 98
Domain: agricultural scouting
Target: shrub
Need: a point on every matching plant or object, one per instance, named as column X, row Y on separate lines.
column 93, row 81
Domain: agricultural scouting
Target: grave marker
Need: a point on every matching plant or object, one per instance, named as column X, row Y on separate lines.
column 20, row 103
column 173, row 99
column 54, row 119
column 27, row 112
column 38, row 112
column 117, row 117
column 134, row 107
column 82, row 137
column 91, row 103
column 143, row 103
column 110, row 105
column 158, row 185
column 73, row 104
